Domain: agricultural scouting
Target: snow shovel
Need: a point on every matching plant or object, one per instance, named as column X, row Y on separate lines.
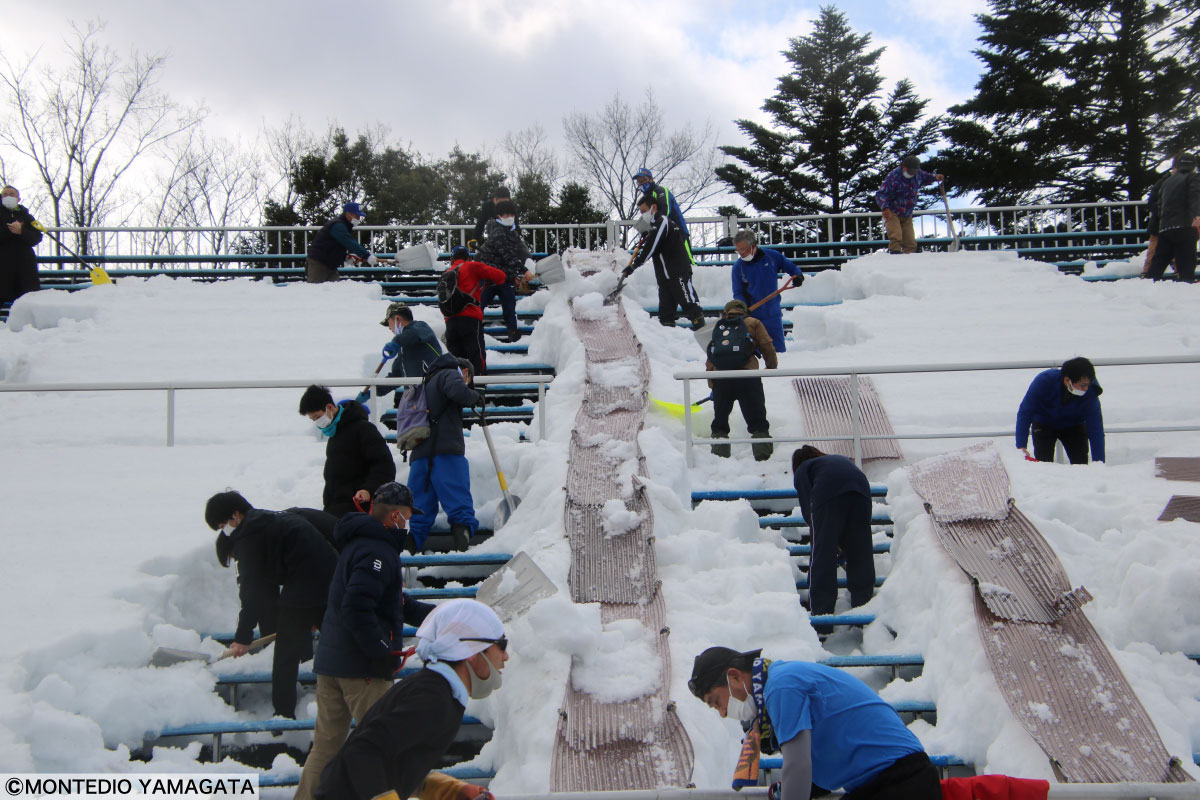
column 550, row 270
column 615, row 293
column 511, row 590
column 677, row 409
column 704, row 335
column 166, row 656
column 510, row 502
column 97, row 274
column 955, row 245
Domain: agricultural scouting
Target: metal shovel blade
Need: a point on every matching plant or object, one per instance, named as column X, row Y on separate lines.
column 166, row 656
column 550, row 270
column 704, row 336
column 513, row 589
column 505, row 510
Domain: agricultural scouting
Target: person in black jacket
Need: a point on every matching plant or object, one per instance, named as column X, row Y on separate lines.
column 835, row 499
column 18, row 237
column 357, row 459
column 283, row 563
column 438, row 471
column 329, row 247
column 665, row 244
column 1175, row 203
column 414, row 346
column 365, row 616
column 505, row 250
column 405, row 734
column 487, row 213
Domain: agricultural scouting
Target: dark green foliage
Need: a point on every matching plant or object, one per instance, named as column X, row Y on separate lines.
column 539, row 204
column 834, row 138
column 1079, row 101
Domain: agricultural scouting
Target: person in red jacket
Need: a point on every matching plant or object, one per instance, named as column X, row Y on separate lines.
column 464, row 330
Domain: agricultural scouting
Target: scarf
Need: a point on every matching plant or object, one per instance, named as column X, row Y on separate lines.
column 331, row 428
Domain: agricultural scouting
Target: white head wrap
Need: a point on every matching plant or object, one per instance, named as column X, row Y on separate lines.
column 441, row 635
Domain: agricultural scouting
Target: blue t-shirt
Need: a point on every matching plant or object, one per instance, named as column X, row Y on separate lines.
column 855, row 734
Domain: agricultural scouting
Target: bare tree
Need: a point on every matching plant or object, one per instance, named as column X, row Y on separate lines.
column 285, row 146
column 84, row 127
column 608, row 147
column 529, row 152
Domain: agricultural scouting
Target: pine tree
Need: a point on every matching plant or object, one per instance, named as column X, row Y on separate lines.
column 1079, row 102
column 832, row 140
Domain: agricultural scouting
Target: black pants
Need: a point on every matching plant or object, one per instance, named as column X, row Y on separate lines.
column 316, row 272
column 293, row 644
column 913, row 777
column 1074, row 439
column 1178, row 244
column 748, row 392
column 675, row 291
column 464, row 338
column 18, row 275
column 843, row 521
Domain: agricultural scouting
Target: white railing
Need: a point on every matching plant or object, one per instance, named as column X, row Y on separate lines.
column 855, row 434
column 171, row 387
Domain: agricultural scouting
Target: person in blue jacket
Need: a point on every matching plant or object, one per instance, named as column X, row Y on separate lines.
column 835, row 499
column 897, row 198
column 329, row 247
column 756, row 275
column 831, row 729
column 414, row 346
column 1063, row 405
column 357, row 652
column 666, row 202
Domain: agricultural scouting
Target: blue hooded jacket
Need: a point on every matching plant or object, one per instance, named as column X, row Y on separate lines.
column 1048, row 403
column 366, row 610
column 419, row 346
column 755, row 279
column 899, row 194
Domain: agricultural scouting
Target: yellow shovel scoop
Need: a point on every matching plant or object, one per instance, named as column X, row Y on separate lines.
column 96, row 273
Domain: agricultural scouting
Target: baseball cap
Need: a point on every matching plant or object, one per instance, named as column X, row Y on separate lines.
column 392, row 310
column 395, row 494
column 736, row 306
column 644, row 172
column 708, row 669
column 354, row 208
column 460, row 253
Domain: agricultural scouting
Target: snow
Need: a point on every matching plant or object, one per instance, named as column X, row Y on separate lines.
column 107, row 556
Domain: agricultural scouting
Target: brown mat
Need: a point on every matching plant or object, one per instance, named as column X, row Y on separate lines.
column 826, row 404
column 1177, row 469
column 1181, row 507
column 970, row 483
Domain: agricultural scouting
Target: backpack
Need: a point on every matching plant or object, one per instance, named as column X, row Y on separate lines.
column 731, row 344
column 412, row 419
column 451, row 299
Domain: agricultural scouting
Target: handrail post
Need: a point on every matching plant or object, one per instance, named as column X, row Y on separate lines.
column 856, row 418
column 541, row 409
column 170, row 417
column 688, row 450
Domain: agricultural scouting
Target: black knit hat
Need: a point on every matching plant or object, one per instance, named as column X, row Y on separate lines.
column 708, row 669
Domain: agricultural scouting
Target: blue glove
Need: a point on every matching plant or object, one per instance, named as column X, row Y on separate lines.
column 391, row 350
column 775, row 791
column 363, row 396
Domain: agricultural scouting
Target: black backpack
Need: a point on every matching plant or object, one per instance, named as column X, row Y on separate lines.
column 451, row 299
column 731, row 345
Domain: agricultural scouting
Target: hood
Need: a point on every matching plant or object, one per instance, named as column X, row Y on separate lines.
column 357, row 525
column 444, row 361
column 352, row 410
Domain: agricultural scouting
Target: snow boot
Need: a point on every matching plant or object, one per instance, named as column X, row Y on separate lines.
column 461, row 536
column 762, row 450
column 697, row 323
column 513, row 335
column 721, row 450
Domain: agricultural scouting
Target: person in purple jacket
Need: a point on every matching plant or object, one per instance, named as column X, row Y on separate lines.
column 897, row 198
column 1063, row 405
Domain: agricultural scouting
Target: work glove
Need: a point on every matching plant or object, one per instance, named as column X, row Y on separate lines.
column 469, row 791
column 391, row 350
column 362, row 397
column 625, row 273
column 372, row 260
column 775, row 791
column 797, row 279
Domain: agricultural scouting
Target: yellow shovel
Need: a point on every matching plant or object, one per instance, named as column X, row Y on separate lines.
column 97, row 274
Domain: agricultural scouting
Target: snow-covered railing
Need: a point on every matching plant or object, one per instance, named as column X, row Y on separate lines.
column 171, row 387
column 858, row 437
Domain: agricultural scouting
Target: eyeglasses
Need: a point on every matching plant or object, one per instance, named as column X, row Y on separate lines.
column 502, row 642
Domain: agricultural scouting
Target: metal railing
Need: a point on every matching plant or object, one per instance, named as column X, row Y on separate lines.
column 171, row 387
column 855, row 434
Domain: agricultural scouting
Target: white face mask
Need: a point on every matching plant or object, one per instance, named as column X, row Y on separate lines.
column 648, row 217
column 323, row 421
column 741, row 710
column 748, row 257
column 227, row 529
column 482, row 687
column 508, row 222
column 908, row 174
column 1076, row 392
column 10, row 202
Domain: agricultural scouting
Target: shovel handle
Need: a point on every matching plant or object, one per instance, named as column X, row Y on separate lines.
column 487, row 437
column 255, row 646
column 786, row 285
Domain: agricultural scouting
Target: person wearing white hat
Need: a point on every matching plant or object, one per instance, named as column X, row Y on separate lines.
column 391, row 753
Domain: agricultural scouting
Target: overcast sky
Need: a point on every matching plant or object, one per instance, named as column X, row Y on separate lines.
column 465, row 72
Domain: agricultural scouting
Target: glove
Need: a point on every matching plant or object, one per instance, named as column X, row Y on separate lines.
column 625, row 273
column 391, row 350
column 362, row 397
column 372, row 260
column 479, row 399
column 469, row 791
column 797, row 279
column 775, row 791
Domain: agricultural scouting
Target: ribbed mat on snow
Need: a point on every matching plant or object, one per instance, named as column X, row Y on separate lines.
column 826, row 404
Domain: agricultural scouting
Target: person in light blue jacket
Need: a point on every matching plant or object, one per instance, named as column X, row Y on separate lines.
column 756, row 275
column 1063, row 405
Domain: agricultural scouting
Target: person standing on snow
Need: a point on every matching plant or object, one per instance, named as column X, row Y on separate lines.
column 1063, row 405
column 407, row 732
column 665, row 200
column 664, row 243
column 358, row 650
column 329, row 247
column 357, row 459
column 464, row 329
column 831, row 729
column 736, row 340
column 835, row 500
column 438, row 471
column 897, row 197
column 284, row 566
column 414, row 346
column 18, row 237
column 505, row 250
column 1175, row 205
column 755, row 276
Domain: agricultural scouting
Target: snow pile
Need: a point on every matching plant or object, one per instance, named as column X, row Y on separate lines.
column 619, row 520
